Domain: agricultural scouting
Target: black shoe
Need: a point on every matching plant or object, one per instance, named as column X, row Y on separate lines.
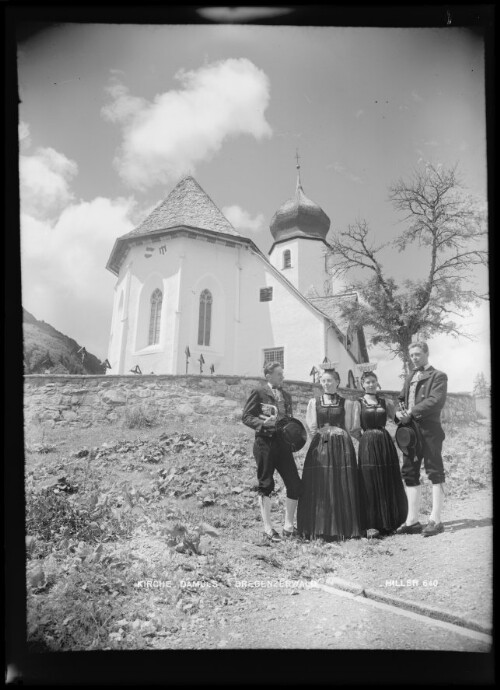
column 432, row 528
column 268, row 539
column 290, row 535
column 265, row 539
column 416, row 528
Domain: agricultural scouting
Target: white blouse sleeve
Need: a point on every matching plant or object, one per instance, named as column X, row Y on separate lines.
column 311, row 417
column 353, row 417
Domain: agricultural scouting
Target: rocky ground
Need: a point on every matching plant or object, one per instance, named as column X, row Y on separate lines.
column 144, row 540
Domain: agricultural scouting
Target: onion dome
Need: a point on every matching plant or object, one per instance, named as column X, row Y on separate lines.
column 299, row 217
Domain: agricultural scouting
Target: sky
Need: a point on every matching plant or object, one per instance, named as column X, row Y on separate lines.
column 113, row 115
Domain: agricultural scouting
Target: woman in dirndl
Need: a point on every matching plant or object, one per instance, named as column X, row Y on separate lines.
column 383, row 497
column 329, row 505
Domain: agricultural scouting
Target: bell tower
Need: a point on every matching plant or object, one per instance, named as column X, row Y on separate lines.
column 299, row 229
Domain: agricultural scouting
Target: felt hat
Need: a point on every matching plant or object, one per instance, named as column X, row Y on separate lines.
column 409, row 440
column 293, row 432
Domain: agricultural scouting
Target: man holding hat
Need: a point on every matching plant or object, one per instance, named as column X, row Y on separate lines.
column 423, row 395
column 270, row 450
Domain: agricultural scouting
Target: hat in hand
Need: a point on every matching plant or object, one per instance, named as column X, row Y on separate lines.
column 293, row 432
column 409, row 440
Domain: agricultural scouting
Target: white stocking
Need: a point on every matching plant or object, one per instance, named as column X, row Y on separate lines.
column 265, row 509
column 437, row 502
column 290, row 508
column 413, row 493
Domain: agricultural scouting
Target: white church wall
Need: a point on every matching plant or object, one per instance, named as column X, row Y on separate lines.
column 276, row 258
column 336, row 352
column 207, row 266
column 242, row 326
column 119, row 321
column 285, row 321
column 159, row 271
column 154, row 281
column 308, row 263
column 115, row 331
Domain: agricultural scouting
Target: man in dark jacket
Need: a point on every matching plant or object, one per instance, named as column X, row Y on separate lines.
column 265, row 406
column 424, row 395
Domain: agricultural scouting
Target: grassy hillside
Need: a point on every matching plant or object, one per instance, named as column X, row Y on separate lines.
column 47, row 350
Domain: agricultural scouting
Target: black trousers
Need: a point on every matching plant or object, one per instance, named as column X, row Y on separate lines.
column 433, row 437
column 270, row 455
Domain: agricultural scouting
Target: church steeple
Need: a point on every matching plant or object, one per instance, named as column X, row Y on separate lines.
column 299, row 183
column 299, row 216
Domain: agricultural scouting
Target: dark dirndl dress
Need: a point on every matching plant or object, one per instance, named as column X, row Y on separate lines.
column 329, row 505
column 383, row 496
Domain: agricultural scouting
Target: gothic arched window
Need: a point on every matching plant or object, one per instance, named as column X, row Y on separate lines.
column 351, row 381
column 205, row 318
column 155, row 316
column 287, row 259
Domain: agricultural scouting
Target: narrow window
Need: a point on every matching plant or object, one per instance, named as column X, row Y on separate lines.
column 205, row 318
column 266, row 294
column 275, row 354
column 287, row 259
column 154, row 320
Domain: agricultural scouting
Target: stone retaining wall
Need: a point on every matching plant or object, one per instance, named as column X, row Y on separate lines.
column 93, row 400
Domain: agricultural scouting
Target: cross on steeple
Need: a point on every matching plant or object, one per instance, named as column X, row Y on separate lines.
column 297, row 158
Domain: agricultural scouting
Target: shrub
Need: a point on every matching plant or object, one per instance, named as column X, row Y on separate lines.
column 50, row 516
column 140, row 417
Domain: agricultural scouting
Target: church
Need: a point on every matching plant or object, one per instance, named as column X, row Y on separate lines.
column 194, row 295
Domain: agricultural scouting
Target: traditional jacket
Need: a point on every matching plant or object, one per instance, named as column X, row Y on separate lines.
column 430, row 395
column 253, row 409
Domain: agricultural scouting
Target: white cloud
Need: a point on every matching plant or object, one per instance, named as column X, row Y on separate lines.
column 64, row 279
column 416, row 97
column 123, row 106
column 142, row 209
column 242, row 220
column 65, row 246
column 24, row 135
column 345, row 172
column 168, row 137
column 45, row 178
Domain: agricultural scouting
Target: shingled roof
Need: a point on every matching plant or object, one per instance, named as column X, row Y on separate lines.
column 187, row 204
column 332, row 308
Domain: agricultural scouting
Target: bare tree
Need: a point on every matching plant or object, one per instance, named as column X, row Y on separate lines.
column 440, row 217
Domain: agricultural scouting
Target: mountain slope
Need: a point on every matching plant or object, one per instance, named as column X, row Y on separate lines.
column 47, row 350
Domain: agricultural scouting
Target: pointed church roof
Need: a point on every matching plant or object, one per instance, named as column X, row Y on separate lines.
column 187, row 208
column 187, row 204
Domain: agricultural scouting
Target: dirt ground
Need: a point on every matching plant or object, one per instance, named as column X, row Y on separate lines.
column 95, row 581
column 455, row 566
column 458, row 562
